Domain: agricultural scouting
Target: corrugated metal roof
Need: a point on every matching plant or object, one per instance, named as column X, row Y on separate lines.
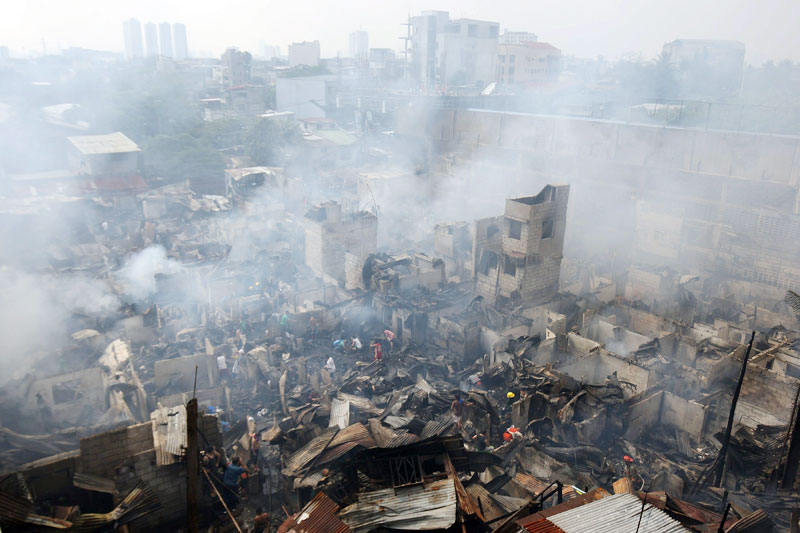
column 435, row 428
column 583, row 499
column 111, row 143
column 620, row 512
column 416, row 507
column 340, row 413
column 402, row 439
column 306, row 454
column 535, row 486
column 353, row 432
column 544, row 526
column 318, row 516
column 169, row 433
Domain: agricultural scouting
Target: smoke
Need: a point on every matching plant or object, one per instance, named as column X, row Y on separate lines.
column 138, row 275
column 39, row 312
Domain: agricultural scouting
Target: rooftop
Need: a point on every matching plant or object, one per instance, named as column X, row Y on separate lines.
column 110, row 143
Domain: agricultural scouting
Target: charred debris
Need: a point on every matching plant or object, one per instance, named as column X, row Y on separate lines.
column 480, row 382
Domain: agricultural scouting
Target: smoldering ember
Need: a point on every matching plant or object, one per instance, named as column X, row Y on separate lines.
column 393, row 292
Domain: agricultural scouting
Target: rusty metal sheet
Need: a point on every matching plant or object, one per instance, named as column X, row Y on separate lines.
column 415, row 508
column 318, row 516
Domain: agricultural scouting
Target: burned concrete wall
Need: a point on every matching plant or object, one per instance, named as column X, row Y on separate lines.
column 329, row 234
column 766, row 398
column 527, row 266
column 702, row 200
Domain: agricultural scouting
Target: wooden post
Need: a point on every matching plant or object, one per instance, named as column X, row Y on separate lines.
column 727, row 439
column 793, row 456
column 192, row 468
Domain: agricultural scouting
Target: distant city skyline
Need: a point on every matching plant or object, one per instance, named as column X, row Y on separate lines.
column 614, row 29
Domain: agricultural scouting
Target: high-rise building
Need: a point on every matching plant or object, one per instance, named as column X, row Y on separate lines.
column 359, row 45
column 180, row 45
column 150, row 39
column 452, row 52
column 305, row 53
column 165, row 39
column 235, row 67
column 132, row 32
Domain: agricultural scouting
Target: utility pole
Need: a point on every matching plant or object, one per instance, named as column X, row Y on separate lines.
column 793, row 457
column 720, row 468
column 192, row 468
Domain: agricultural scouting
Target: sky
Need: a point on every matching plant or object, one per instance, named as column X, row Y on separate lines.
column 583, row 28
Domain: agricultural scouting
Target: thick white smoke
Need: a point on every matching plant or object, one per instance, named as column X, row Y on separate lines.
column 138, row 275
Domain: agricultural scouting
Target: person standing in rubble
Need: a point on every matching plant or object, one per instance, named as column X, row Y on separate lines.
column 284, row 324
column 376, row 346
column 389, row 335
column 233, row 475
column 458, row 409
column 330, row 365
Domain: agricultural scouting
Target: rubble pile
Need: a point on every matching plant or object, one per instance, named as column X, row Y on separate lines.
column 268, row 365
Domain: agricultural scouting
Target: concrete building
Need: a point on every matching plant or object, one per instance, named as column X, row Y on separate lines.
column 269, row 51
column 306, row 96
column 234, row 68
column 179, row 42
column 452, row 52
column 150, row 39
column 132, row 31
column 518, row 37
column 165, row 39
column 517, row 256
column 359, row 46
column 305, row 53
column 329, row 234
column 113, row 154
column 528, row 63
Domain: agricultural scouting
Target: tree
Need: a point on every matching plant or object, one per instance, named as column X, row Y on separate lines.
column 181, row 157
column 267, row 140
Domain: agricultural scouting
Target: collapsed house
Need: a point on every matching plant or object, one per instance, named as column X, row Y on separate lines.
column 479, row 383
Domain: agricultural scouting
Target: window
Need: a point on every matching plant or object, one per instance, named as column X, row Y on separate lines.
column 511, row 70
column 510, row 267
column 491, row 230
column 472, row 30
column 515, row 229
column 547, row 228
column 494, row 31
column 511, row 59
column 503, row 59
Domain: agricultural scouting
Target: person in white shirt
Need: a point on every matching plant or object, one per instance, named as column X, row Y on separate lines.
column 330, row 365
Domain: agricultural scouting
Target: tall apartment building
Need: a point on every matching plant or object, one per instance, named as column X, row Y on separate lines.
column 517, row 256
column 132, row 32
column 452, row 52
column 150, row 39
column 305, row 53
column 165, row 39
column 359, row 46
column 179, row 42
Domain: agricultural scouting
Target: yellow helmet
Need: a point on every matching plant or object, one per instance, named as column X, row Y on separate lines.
column 510, row 395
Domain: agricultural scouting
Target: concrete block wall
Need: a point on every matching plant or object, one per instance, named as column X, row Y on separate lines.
column 167, row 482
column 326, row 243
column 763, row 389
column 102, row 454
column 353, row 266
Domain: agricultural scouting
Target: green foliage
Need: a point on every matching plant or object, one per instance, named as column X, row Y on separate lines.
column 266, row 141
column 182, row 156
